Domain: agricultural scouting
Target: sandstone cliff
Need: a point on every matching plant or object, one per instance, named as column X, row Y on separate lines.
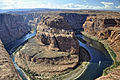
column 12, row 27
column 7, row 69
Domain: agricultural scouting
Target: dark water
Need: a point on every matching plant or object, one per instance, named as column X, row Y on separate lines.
column 100, row 59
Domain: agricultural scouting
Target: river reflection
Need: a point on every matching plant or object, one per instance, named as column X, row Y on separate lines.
column 100, row 59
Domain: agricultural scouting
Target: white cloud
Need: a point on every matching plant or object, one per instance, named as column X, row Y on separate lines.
column 108, row 4
column 117, row 6
column 15, row 4
column 9, row 4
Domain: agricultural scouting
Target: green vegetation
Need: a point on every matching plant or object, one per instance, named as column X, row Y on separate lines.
column 113, row 56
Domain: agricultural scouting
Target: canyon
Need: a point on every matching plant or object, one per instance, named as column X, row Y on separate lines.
column 55, row 50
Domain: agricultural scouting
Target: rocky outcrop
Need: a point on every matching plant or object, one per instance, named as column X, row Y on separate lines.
column 7, row 69
column 12, row 27
column 53, row 51
column 57, row 33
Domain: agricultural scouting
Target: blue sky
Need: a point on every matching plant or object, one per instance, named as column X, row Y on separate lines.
column 61, row 4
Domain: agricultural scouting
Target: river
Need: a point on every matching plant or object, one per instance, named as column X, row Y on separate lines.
column 100, row 59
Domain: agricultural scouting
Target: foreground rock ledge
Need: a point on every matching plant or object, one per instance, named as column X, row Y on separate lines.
column 7, row 69
column 53, row 51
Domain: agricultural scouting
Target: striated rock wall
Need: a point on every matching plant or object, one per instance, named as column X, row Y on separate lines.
column 75, row 20
column 7, row 69
column 12, row 27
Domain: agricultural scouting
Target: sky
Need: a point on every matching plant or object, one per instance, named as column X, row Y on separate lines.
column 61, row 4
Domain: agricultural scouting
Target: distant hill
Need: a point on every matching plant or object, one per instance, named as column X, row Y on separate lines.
column 21, row 11
column 31, row 10
column 12, row 10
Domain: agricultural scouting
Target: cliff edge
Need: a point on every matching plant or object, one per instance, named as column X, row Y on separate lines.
column 7, row 69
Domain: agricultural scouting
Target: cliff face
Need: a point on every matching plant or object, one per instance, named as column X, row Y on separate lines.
column 7, row 69
column 107, row 28
column 12, row 27
column 75, row 20
column 53, row 51
column 101, row 26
